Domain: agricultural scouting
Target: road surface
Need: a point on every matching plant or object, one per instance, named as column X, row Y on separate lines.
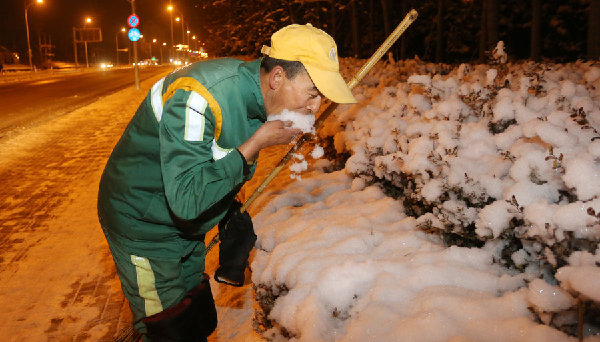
column 31, row 102
column 57, row 278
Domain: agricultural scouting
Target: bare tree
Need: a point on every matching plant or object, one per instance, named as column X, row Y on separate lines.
column 333, row 11
column 483, row 31
column 489, row 27
column 385, row 9
column 492, row 23
column 354, row 26
column 593, row 35
column 371, row 26
column 536, row 35
column 439, row 35
column 404, row 7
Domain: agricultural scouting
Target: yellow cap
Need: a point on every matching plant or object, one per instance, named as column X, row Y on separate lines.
column 316, row 50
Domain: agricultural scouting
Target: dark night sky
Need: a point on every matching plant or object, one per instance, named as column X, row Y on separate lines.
column 57, row 18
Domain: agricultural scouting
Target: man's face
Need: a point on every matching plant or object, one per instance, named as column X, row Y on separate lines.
column 298, row 94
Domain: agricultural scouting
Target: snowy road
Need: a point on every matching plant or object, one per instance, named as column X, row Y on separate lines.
column 33, row 101
column 57, row 279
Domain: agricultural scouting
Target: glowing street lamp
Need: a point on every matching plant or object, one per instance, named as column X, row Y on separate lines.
column 27, row 26
column 182, row 29
column 123, row 30
column 87, row 20
column 170, row 9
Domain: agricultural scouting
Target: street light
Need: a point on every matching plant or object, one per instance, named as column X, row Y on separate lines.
column 88, row 20
column 170, row 9
column 27, row 26
column 123, row 30
column 178, row 20
column 182, row 30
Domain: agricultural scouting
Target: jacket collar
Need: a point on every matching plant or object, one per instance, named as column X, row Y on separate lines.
column 250, row 76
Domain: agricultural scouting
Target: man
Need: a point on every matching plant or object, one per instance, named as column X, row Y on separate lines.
column 189, row 148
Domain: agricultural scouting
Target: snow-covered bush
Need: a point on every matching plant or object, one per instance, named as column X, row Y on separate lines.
column 503, row 154
column 502, row 158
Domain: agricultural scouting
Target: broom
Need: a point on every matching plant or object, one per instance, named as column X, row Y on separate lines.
column 391, row 39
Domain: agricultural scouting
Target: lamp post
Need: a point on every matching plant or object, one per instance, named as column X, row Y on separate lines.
column 170, row 9
column 182, row 29
column 154, row 40
column 117, row 44
column 27, row 27
column 88, row 20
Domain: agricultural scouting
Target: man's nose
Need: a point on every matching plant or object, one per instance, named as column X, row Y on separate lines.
column 314, row 105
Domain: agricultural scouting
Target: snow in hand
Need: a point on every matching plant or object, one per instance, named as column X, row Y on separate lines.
column 305, row 123
column 467, row 211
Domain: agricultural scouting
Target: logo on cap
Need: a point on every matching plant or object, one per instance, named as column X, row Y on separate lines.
column 332, row 54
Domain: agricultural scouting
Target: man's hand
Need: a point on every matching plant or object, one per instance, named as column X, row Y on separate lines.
column 270, row 133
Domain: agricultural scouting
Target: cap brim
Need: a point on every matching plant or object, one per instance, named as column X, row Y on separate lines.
column 330, row 84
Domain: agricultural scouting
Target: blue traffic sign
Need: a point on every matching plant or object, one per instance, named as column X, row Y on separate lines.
column 133, row 20
column 134, row 34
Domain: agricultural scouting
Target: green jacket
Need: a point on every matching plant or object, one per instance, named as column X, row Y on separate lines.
column 175, row 171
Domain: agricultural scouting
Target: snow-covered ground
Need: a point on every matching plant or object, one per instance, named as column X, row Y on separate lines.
column 338, row 259
column 505, row 154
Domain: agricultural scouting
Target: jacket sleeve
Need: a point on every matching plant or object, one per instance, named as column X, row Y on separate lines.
column 193, row 177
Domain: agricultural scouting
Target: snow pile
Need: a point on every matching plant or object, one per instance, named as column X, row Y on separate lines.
column 468, row 210
column 521, row 151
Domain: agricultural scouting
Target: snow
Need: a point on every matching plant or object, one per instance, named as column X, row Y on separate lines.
column 303, row 122
column 47, row 279
column 546, row 297
column 341, row 260
column 317, row 152
column 498, row 53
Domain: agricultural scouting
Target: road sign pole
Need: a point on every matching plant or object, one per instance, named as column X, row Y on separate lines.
column 135, row 55
column 75, row 49
column 117, row 44
column 136, row 68
column 87, row 64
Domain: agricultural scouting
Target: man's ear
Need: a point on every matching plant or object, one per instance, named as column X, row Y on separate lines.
column 276, row 77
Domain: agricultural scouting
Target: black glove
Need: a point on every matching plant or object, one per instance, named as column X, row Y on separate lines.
column 236, row 233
